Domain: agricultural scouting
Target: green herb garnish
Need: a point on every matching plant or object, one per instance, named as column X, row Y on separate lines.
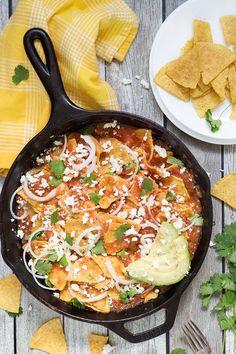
column 69, row 240
column 76, row 303
column 120, row 231
column 98, row 248
column 21, row 74
column 37, row 235
column 170, row 196
column 121, row 253
column 127, row 165
column 95, row 197
column 174, row 161
column 88, row 130
column 178, row 351
column 88, row 179
column 54, row 217
column 57, row 168
column 54, row 181
column 43, row 267
column 196, row 219
column 63, row 261
column 48, row 283
column 52, row 257
column 15, row 314
column 214, row 124
column 126, row 296
column 147, row 186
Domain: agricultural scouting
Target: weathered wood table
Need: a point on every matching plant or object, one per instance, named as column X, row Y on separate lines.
column 217, row 160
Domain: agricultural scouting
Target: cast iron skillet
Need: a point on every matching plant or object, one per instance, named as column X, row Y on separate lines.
column 66, row 117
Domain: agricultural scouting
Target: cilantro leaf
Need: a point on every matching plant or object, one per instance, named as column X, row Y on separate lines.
column 54, row 217
column 98, row 248
column 120, row 231
column 196, row 219
column 174, row 161
column 43, row 267
column 170, row 196
column 63, row 261
column 57, row 167
column 15, row 314
column 54, row 181
column 88, row 130
column 225, row 243
column 52, row 257
column 178, row 351
column 76, row 303
column 214, row 124
column 95, row 197
column 126, row 296
column 147, row 186
column 127, row 165
column 69, row 240
column 88, row 179
column 37, row 235
column 121, row 253
column 21, row 73
column 48, row 283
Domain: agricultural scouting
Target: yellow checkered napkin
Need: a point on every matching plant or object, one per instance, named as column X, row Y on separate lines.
column 80, row 30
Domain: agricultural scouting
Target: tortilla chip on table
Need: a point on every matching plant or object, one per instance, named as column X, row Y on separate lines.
column 97, row 343
column 10, row 293
column 225, row 189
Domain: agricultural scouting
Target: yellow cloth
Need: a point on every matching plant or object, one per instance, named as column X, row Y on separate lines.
column 80, row 30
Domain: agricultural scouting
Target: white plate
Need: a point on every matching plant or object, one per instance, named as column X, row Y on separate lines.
column 170, row 38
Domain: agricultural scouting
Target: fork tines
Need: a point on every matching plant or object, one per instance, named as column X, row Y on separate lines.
column 196, row 339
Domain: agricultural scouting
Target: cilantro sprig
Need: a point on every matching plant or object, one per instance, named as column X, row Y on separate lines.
column 170, row 196
column 223, row 286
column 57, row 167
column 95, row 197
column 98, row 248
column 54, row 217
column 88, row 179
column 178, row 351
column 15, row 314
column 174, row 161
column 76, row 303
column 126, row 296
column 120, row 231
column 147, row 186
column 214, row 124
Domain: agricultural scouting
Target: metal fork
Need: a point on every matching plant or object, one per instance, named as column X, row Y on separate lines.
column 196, row 339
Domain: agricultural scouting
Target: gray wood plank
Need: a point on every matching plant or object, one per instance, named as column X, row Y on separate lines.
column 230, row 216
column 134, row 98
column 6, row 323
column 209, row 157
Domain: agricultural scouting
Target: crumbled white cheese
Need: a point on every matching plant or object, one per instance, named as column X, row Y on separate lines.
column 110, row 125
column 75, row 287
column 137, row 77
column 57, row 295
column 161, row 151
column 131, row 231
column 126, row 82
column 85, row 218
column 20, row 234
column 144, row 84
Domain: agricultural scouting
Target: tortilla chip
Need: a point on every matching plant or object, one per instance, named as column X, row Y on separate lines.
column 65, row 295
column 178, row 186
column 84, row 270
column 208, row 101
column 10, row 292
column 113, row 189
column 213, row 59
column 150, row 296
column 165, row 82
column 225, row 189
column 232, row 86
column 202, row 31
column 116, row 262
column 219, row 83
column 202, row 86
column 185, row 71
column 50, row 338
column 97, row 343
column 187, row 47
column 197, row 92
column 228, row 24
column 58, row 276
column 233, row 114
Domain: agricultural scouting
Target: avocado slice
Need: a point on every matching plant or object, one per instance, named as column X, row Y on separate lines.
column 168, row 261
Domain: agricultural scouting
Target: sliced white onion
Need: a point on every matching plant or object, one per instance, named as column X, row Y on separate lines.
column 76, row 246
column 150, row 224
column 36, row 276
column 187, row 227
column 24, row 215
column 134, row 157
column 32, row 196
column 41, row 285
column 87, row 209
column 91, row 156
column 90, row 299
column 116, row 211
column 117, row 279
column 144, row 237
column 26, row 264
column 92, row 167
column 150, row 203
column 64, row 146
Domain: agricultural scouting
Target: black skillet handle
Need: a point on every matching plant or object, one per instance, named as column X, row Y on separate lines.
column 171, row 309
column 48, row 73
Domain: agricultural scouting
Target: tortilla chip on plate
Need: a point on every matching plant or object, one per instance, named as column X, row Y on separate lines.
column 219, row 83
column 185, row 71
column 10, row 293
column 213, row 59
column 165, row 82
column 187, row 47
column 50, row 338
column 225, row 189
column 209, row 101
column 202, row 31
column 197, row 92
column 228, row 24
column 97, row 343
column 232, row 86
